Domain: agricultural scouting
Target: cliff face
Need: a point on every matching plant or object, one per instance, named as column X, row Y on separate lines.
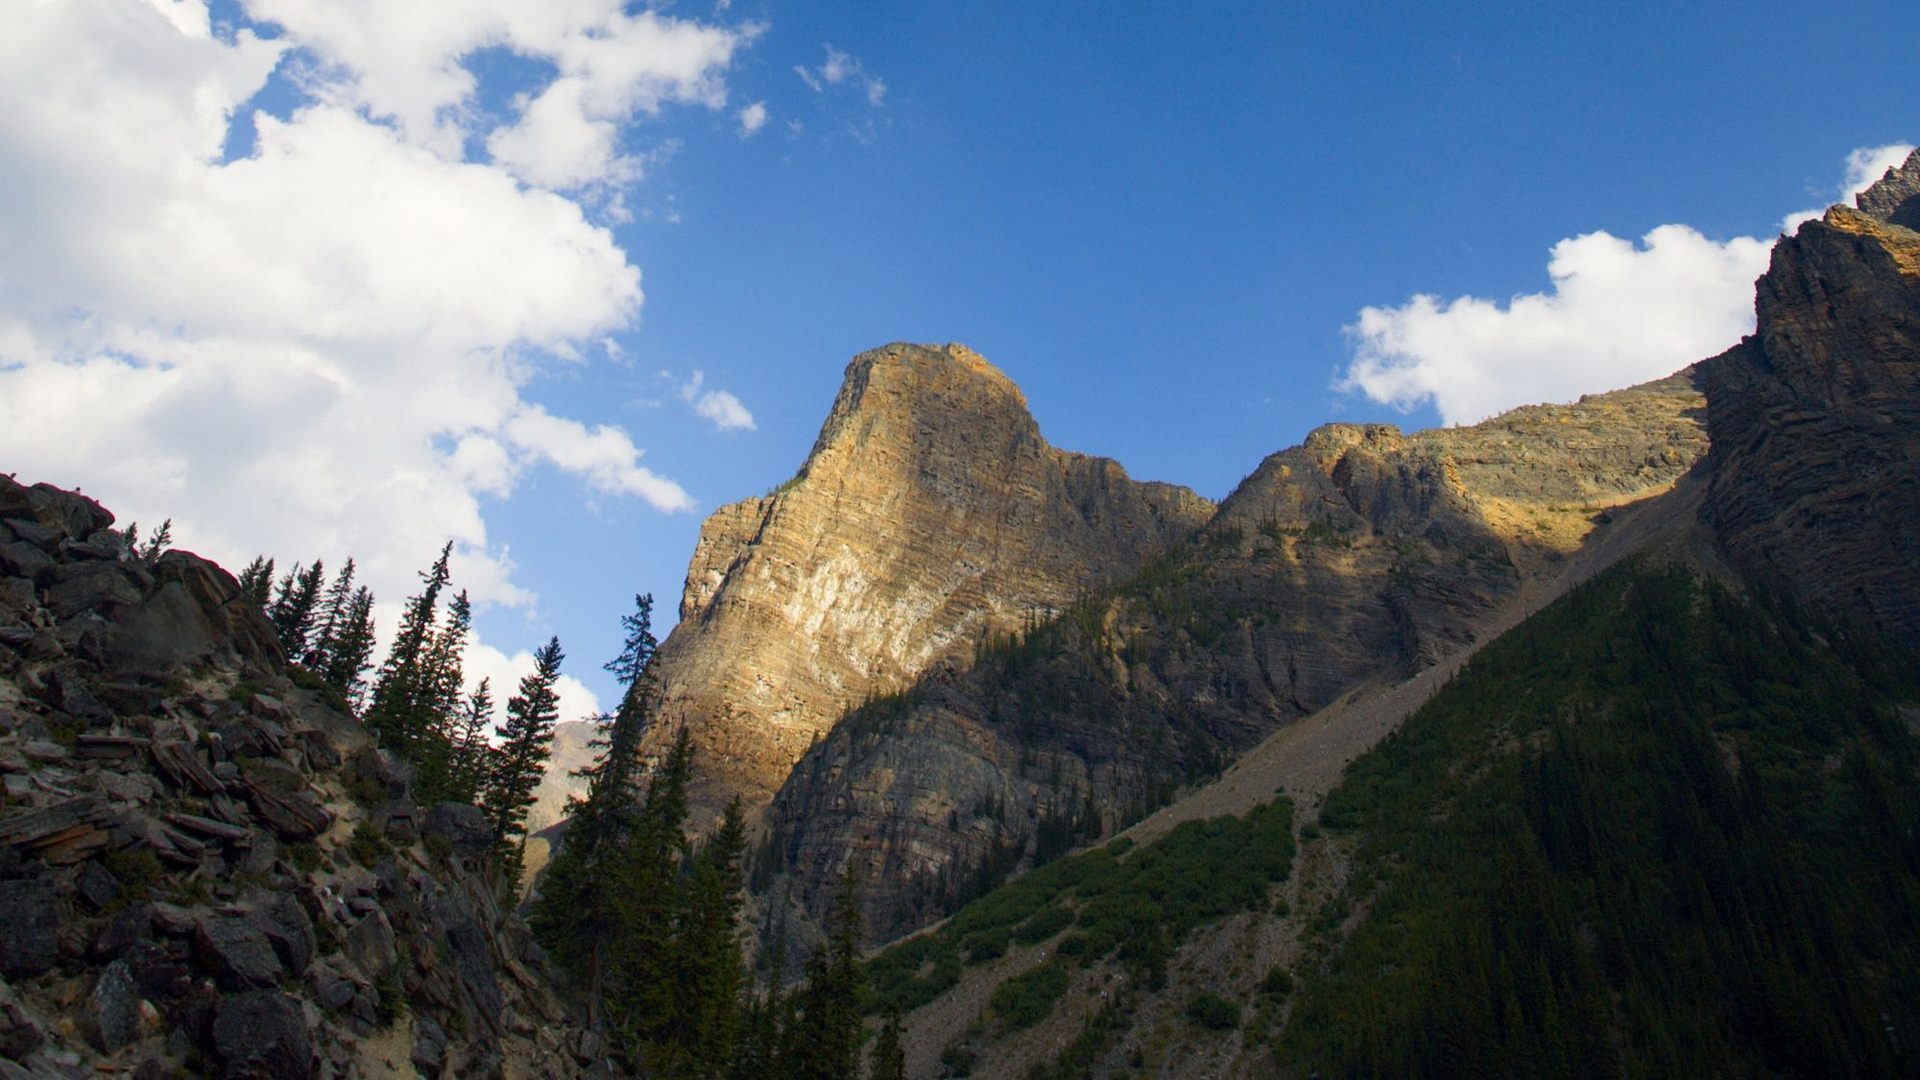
column 929, row 514
column 206, row 870
column 1363, row 553
column 1816, row 418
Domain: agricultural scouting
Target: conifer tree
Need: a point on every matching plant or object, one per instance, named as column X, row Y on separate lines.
column 256, row 581
column 441, row 703
column 705, row 1022
column 824, row 1043
column 526, row 741
column 399, row 713
column 573, row 913
column 349, row 650
column 889, row 1061
column 472, row 754
column 294, row 607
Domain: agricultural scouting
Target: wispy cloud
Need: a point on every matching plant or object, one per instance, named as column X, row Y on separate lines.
column 718, row 407
column 842, row 69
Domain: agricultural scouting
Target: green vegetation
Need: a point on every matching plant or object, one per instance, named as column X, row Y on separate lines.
column 1213, row 1012
column 1658, row 830
column 1141, row 902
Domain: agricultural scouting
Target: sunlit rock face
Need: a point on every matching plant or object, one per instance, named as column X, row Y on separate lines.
column 1363, row 553
column 930, row 513
column 1815, row 419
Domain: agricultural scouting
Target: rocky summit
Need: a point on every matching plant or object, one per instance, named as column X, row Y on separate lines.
column 206, row 867
column 1815, row 419
column 930, row 514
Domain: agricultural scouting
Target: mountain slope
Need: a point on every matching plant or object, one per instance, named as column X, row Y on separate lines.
column 1362, row 554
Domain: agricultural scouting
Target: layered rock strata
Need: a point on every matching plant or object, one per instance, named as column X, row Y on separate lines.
column 1816, row 418
column 1363, row 553
column 929, row 514
column 206, row 870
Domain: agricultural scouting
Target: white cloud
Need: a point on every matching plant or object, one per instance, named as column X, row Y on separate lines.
column 319, row 348
column 504, row 673
column 719, row 407
column 1619, row 313
column 1865, row 167
column 841, row 68
column 753, row 118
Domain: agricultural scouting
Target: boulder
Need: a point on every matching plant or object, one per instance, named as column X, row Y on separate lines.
column 113, row 1008
column 70, row 513
column 236, row 952
column 370, row 944
column 100, row 587
column 288, row 930
column 262, row 1035
column 29, row 927
column 463, row 827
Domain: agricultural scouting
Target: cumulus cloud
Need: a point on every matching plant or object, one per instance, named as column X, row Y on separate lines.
column 840, row 68
column 718, row 407
column 753, row 118
column 1618, row 313
column 319, row 348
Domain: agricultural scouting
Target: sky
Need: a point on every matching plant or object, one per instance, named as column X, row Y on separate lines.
column 554, row 279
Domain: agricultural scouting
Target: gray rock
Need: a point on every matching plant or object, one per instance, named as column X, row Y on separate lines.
column 71, row 513
column 100, row 587
column 288, row 930
column 429, row 1046
column 23, row 560
column 70, row 694
column 114, row 1008
column 29, row 927
column 44, row 537
column 16, row 599
column 463, row 827
column 370, row 944
column 95, row 885
column 262, row 1035
column 234, row 950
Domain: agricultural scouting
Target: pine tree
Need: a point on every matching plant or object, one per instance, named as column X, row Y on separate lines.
column 256, row 581
column 575, row 909
column 707, row 966
column 399, row 713
column 889, row 1061
column 526, row 741
column 825, row 1041
column 441, row 704
column 472, row 754
column 349, row 650
column 293, row 608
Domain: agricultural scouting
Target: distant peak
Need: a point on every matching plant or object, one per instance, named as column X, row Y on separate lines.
column 1895, row 197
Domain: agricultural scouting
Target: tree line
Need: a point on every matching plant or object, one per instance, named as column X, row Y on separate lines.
column 643, row 920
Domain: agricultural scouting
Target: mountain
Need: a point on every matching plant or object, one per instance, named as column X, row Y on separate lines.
column 1362, row 554
column 206, row 866
column 929, row 515
column 1663, row 826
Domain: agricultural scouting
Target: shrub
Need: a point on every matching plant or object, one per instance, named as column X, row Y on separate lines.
column 1213, row 1012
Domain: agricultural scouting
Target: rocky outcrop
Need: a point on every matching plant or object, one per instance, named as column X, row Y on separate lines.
column 929, row 515
column 1815, row 419
column 1363, row 553
column 208, row 870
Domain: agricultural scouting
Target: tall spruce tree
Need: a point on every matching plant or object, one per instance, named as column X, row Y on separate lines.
column 574, row 912
column 349, row 650
column 256, row 581
column 526, row 741
column 707, row 966
column 400, row 712
column 889, row 1059
column 294, row 607
column 441, row 703
column 472, row 753
column 824, row 1043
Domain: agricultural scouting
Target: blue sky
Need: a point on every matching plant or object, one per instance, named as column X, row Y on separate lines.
column 473, row 261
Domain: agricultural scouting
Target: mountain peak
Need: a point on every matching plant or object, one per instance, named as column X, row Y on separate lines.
column 1895, row 197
